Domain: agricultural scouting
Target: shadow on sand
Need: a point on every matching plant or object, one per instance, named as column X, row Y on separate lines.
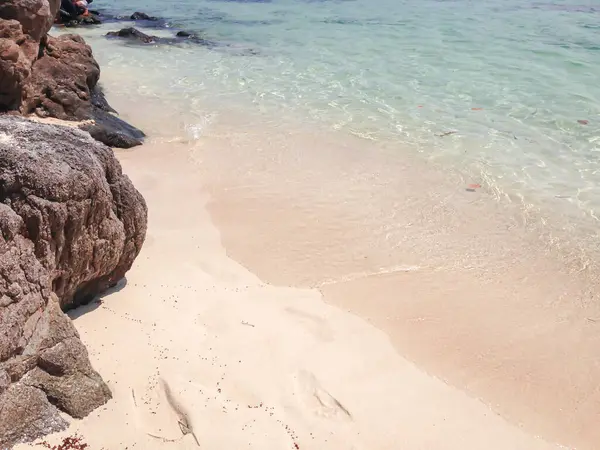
column 82, row 310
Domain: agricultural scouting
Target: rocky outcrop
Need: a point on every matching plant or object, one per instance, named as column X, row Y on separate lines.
column 52, row 77
column 18, row 51
column 71, row 225
column 85, row 217
column 36, row 16
column 61, row 80
column 133, row 34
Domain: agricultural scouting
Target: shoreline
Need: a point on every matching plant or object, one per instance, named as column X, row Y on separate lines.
column 464, row 341
column 463, row 290
column 299, row 292
column 516, row 307
column 251, row 365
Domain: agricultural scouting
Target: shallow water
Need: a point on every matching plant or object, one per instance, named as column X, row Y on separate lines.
column 504, row 91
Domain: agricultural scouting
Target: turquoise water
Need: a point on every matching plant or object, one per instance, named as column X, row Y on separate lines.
column 505, row 90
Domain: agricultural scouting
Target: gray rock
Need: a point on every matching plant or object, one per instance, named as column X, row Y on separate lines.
column 71, row 225
column 86, row 219
column 26, row 415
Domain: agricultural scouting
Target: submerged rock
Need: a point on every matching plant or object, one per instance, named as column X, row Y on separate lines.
column 71, row 225
column 91, row 19
column 143, row 16
column 133, row 34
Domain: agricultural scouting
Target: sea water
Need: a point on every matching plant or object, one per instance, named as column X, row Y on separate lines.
column 503, row 91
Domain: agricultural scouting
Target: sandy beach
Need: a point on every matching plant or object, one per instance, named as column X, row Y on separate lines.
column 200, row 353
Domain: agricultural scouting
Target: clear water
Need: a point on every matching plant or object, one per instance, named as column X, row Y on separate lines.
column 515, row 80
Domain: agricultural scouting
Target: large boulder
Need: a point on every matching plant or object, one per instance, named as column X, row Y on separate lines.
column 33, row 329
column 18, row 51
column 86, row 219
column 62, row 79
column 71, row 225
column 36, row 16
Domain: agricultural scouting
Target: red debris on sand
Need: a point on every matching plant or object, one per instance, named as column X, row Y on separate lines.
column 583, row 121
column 69, row 443
column 474, row 186
column 476, row 109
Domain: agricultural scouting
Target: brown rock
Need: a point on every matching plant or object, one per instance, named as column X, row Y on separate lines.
column 36, row 16
column 17, row 54
column 31, row 324
column 85, row 217
column 71, row 225
column 62, row 79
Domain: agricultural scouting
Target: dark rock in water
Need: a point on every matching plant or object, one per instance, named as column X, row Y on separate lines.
column 71, row 225
column 91, row 19
column 143, row 16
column 113, row 131
column 133, row 34
column 98, row 99
column 184, row 34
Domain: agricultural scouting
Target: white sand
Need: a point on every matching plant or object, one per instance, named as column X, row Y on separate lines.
column 249, row 365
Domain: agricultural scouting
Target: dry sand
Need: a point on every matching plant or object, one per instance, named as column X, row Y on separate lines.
column 200, row 353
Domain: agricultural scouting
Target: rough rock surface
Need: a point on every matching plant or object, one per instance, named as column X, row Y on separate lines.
column 85, row 217
column 71, row 225
column 17, row 52
column 36, row 16
column 53, row 77
column 62, row 79
column 143, row 16
column 112, row 131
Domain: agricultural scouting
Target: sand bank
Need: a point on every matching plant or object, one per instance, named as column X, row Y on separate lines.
column 200, row 353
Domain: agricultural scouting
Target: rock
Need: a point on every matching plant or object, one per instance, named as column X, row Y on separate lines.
column 133, row 34
column 91, row 19
column 112, row 131
column 18, row 51
column 143, row 16
column 71, row 225
column 84, row 216
column 25, row 415
column 64, row 374
column 33, row 324
column 36, row 16
column 61, row 80
column 184, row 34
column 98, row 100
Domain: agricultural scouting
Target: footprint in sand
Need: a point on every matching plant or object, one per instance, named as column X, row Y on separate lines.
column 317, row 399
column 160, row 414
column 318, row 326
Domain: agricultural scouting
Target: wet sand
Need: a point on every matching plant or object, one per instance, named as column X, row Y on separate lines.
column 473, row 291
